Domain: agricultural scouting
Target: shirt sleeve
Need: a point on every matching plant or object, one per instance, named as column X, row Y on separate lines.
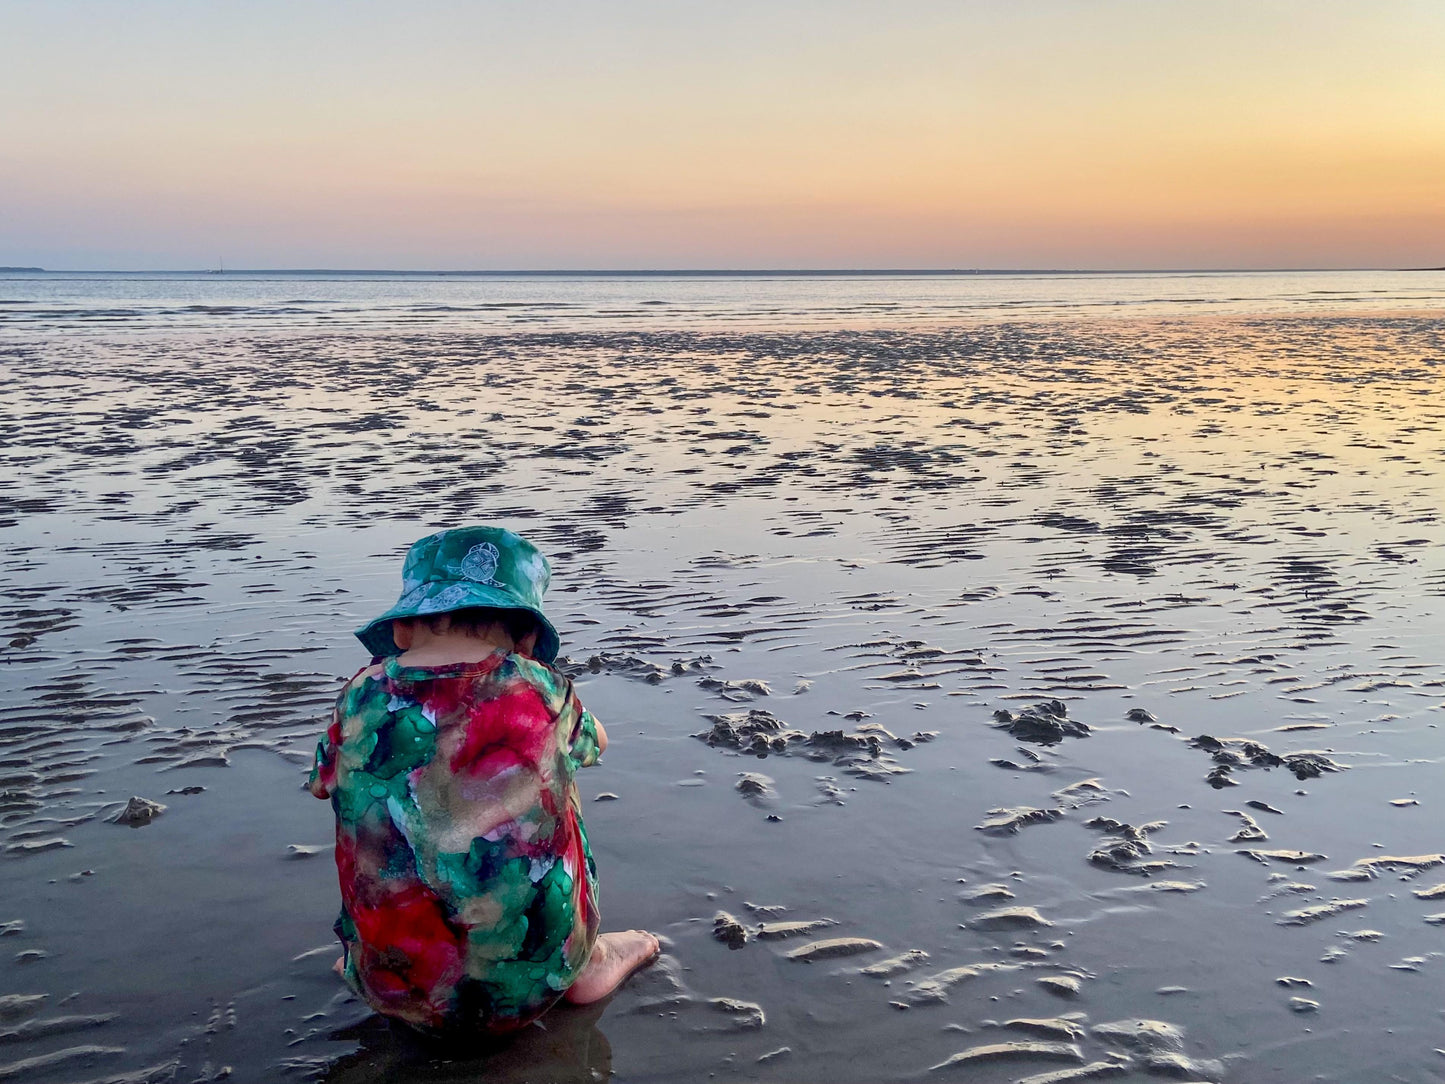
column 323, row 770
column 582, row 745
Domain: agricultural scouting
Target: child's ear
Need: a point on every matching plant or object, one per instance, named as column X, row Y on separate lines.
column 401, row 632
column 527, row 645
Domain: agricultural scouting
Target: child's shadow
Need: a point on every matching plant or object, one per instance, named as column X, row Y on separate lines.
column 564, row 1046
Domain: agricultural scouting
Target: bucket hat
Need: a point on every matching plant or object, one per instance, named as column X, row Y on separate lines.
column 464, row 567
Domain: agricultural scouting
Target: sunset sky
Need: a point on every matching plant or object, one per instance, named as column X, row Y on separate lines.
column 739, row 134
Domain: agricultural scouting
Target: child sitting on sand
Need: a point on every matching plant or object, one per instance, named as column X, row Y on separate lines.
column 469, row 895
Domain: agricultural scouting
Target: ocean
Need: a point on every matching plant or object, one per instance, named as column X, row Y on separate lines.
column 300, row 301
column 1090, row 624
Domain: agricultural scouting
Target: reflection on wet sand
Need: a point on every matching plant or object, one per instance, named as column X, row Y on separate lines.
column 565, row 1047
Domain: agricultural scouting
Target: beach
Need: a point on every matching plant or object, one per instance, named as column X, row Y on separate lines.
column 1065, row 649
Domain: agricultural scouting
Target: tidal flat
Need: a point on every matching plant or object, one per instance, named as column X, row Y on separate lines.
column 1037, row 700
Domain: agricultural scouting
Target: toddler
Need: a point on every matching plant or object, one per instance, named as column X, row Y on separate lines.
column 468, row 891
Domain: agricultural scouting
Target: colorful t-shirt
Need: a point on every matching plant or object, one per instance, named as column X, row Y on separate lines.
column 468, row 891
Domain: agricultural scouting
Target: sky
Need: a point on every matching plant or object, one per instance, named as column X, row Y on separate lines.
column 528, row 134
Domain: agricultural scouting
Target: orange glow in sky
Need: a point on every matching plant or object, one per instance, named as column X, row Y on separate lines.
column 475, row 134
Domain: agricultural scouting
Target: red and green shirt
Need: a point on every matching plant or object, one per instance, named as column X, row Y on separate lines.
column 468, row 891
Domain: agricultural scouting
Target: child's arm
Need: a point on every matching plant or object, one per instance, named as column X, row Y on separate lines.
column 323, row 771
column 586, row 738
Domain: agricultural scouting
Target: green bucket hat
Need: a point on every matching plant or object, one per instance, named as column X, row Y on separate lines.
column 465, row 567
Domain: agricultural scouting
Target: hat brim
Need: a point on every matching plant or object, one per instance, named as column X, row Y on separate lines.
column 431, row 599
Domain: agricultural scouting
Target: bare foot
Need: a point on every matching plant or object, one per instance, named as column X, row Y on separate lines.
column 615, row 956
column 339, row 966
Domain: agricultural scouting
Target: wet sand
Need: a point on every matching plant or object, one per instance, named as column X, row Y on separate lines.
column 1076, row 686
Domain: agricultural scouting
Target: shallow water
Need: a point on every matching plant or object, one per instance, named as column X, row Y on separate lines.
column 1228, row 522
column 253, row 302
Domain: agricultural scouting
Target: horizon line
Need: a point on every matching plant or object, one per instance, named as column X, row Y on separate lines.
column 702, row 272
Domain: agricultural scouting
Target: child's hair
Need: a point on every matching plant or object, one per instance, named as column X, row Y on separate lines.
column 475, row 619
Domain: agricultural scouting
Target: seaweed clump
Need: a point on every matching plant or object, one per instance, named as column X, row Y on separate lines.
column 1231, row 753
column 1044, row 723
column 865, row 751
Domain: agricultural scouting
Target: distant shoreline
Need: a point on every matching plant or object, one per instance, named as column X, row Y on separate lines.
column 702, row 272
